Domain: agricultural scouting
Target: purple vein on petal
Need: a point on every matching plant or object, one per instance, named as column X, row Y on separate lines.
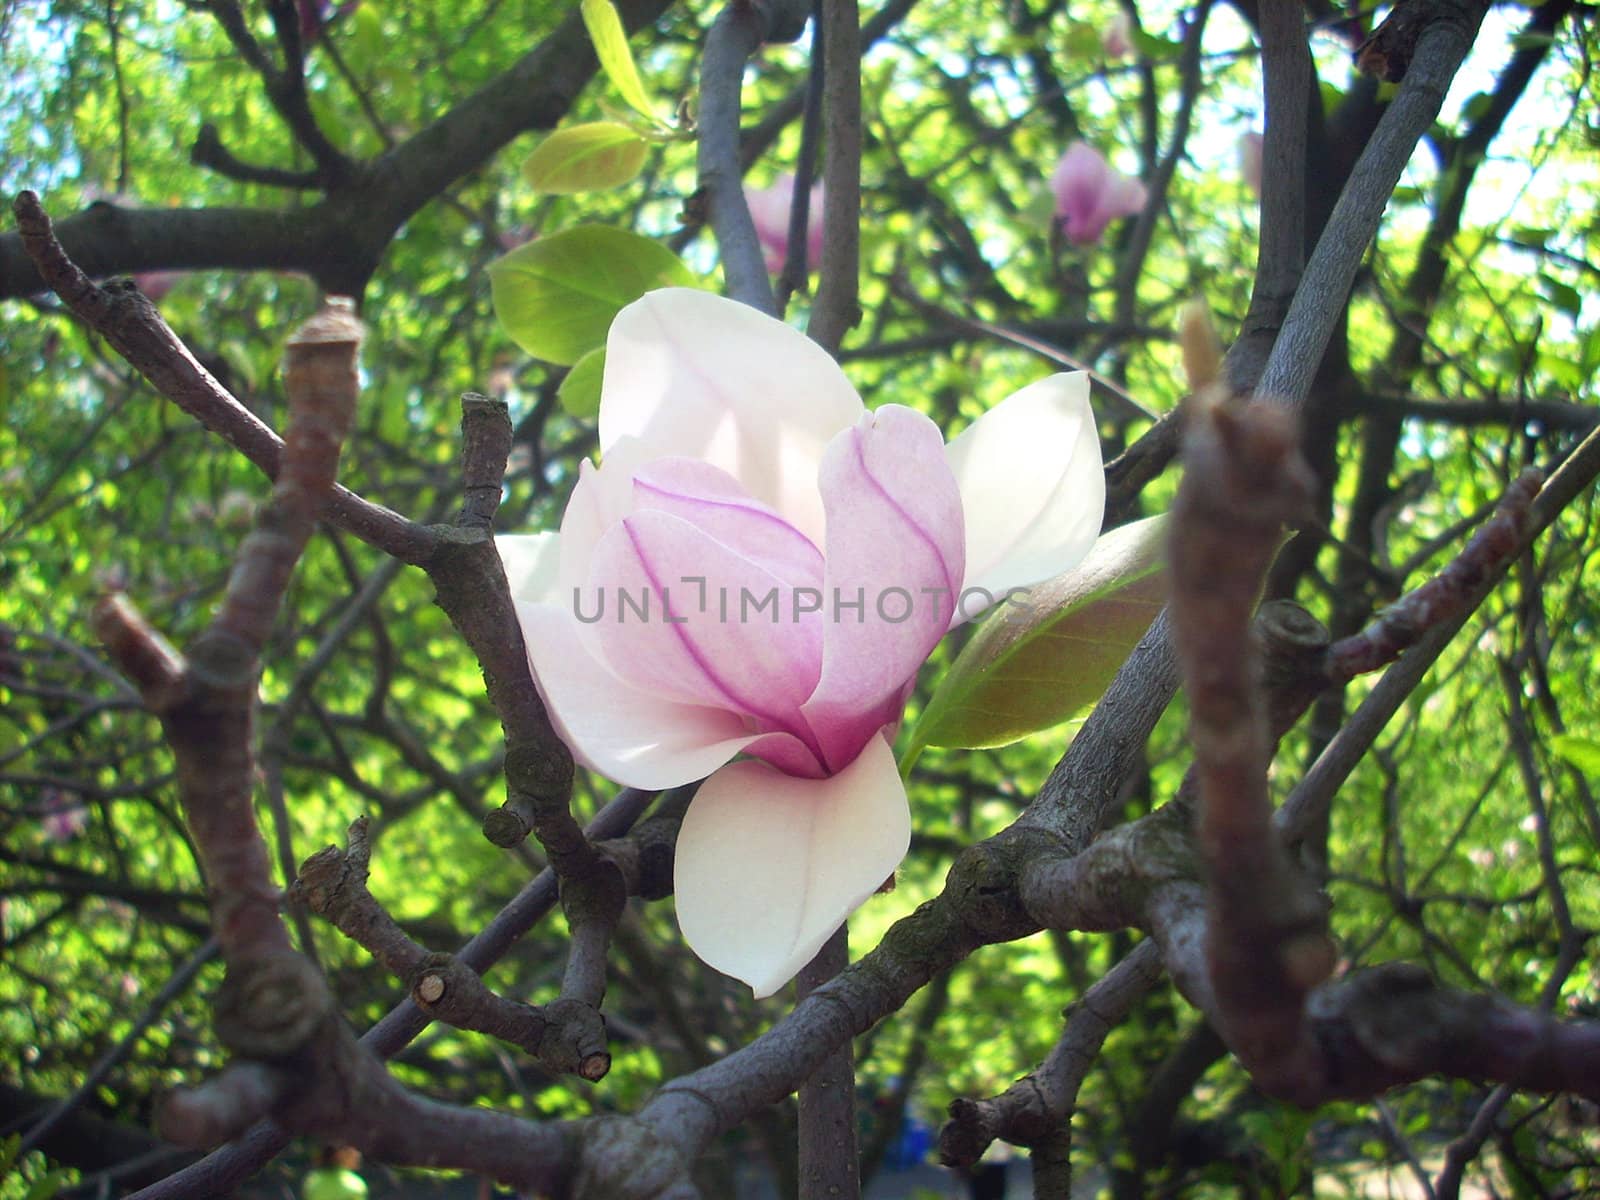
column 916, row 526
column 735, row 701
column 750, row 507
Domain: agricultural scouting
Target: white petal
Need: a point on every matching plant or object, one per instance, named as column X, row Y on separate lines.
column 768, row 866
column 625, row 734
column 531, row 561
column 692, row 374
column 600, row 499
column 1032, row 487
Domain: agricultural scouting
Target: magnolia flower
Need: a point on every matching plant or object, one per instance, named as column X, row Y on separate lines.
column 769, row 209
column 1116, row 39
column 1252, row 146
column 758, row 568
column 1090, row 195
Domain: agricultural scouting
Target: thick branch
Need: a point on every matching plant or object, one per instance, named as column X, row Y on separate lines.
column 339, row 241
column 136, row 331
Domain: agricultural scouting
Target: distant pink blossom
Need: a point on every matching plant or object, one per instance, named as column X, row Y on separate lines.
column 155, row 284
column 1116, row 39
column 1251, row 147
column 1090, row 194
column 517, row 235
column 769, row 209
column 65, row 817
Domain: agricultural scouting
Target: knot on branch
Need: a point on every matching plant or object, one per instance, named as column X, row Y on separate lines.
column 332, row 880
column 985, row 884
column 972, row 1127
column 620, row 1158
column 596, row 895
column 538, row 771
column 1292, row 643
column 269, row 1008
column 222, row 660
column 1389, row 1024
column 539, row 776
column 574, row 1041
column 645, row 857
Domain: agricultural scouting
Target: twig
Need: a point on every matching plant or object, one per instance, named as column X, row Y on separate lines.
column 1325, row 284
column 1400, row 625
column 733, row 37
column 1304, row 806
column 208, row 151
column 285, row 87
column 230, row 1165
column 1035, row 1108
column 797, row 266
column 837, row 307
column 333, row 884
column 134, row 328
column 170, row 991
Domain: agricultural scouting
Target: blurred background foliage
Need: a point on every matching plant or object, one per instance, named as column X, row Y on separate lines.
column 1441, row 386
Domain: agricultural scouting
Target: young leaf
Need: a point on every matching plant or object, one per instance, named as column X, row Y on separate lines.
column 585, row 158
column 555, row 297
column 579, row 393
column 616, row 60
column 1581, row 752
column 1046, row 655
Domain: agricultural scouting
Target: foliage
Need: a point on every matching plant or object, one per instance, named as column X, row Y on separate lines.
column 1468, row 348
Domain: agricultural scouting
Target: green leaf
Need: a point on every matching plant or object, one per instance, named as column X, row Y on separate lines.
column 1047, row 655
column 616, row 60
column 1157, row 49
column 48, row 1184
column 1564, row 296
column 1476, row 106
column 585, row 158
column 555, row 297
column 333, row 1183
column 579, row 393
column 1581, row 752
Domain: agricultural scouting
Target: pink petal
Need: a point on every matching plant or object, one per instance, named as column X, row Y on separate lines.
column 1090, row 195
column 770, row 209
column 713, row 502
column 693, row 375
column 895, row 543
column 1116, row 39
column 1122, row 197
column 1077, row 183
column 768, row 866
column 1032, row 488
column 625, row 734
column 693, row 620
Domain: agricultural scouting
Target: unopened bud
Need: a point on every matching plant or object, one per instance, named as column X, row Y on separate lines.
column 1202, row 351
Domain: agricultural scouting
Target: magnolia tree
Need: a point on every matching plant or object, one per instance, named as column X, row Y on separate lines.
column 743, row 736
